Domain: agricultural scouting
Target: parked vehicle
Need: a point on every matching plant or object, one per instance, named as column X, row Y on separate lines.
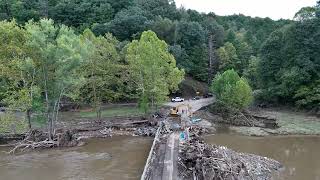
column 177, row 99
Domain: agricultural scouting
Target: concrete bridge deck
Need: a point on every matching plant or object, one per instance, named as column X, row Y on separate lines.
column 163, row 157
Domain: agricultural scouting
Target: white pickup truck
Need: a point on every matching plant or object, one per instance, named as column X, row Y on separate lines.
column 177, row 99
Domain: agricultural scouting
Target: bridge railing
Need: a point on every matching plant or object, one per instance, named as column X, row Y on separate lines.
column 145, row 174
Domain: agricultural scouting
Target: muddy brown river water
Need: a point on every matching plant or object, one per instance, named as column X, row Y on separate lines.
column 123, row 158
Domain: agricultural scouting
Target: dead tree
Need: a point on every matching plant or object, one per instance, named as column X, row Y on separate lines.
column 212, row 58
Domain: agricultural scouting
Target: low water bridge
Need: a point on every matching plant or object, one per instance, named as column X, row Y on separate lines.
column 163, row 156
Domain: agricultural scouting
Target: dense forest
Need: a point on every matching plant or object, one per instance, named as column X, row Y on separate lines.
column 280, row 59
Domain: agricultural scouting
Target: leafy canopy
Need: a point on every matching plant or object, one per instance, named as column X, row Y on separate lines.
column 153, row 69
column 231, row 90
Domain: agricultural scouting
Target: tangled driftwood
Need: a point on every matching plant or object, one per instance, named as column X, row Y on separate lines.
column 37, row 139
column 201, row 161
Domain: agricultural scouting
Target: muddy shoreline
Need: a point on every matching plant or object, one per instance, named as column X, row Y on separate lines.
column 68, row 134
column 86, row 128
column 278, row 122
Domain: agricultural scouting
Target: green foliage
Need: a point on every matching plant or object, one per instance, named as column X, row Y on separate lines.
column 308, row 96
column 102, row 70
column 232, row 91
column 163, row 8
column 115, row 112
column 127, row 24
column 153, row 69
column 251, row 72
column 165, row 29
column 190, row 34
column 228, row 57
column 305, row 13
column 57, row 53
column 191, row 37
column 213, row 28
column 290, row 66
column 21, row 10
column 281, row 58
column 82, row 13
column 18, row 70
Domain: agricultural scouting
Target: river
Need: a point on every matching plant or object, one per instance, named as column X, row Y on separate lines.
column 117, row 158
column 123, row 158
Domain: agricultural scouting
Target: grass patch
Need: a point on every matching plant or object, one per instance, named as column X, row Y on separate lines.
column 115, row 112
column 294, row 123
column 11, row 123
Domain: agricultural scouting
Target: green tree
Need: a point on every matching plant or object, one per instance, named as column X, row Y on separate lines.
column 162, row 8
column 232, row 91
column 215, row 37
column 21, row 10
column 228, row 57
column 58, row 56
column 126, row 25
column 165, row 29
column 82, row 13
column 251, row 72
column 102, row 70
column 191, row 37
column 290, row 64
column 153, row 69
column 305, row 13
column 244, row 52
column 17, row 69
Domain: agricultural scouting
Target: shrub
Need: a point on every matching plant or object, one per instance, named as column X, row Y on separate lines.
column 232, row 91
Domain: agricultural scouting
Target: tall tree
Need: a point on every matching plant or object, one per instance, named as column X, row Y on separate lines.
column 228, row 57
column 82, row 13
column 232, row 91
column 59, row 53
column 153, row 69
column 191, row 37
column 165, row 29
column 162, row 8
column 215, row 37
column 126, row 25
column 17, row 69
column 102, row 70
column 305, row 13
column 290, row 64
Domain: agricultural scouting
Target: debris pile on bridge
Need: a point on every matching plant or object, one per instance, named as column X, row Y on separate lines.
column 201, row 161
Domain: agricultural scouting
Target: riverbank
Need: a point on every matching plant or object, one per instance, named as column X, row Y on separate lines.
column 288, row 123
column 132, row 123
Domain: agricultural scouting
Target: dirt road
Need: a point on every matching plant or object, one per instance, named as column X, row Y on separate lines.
column 195, row 104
